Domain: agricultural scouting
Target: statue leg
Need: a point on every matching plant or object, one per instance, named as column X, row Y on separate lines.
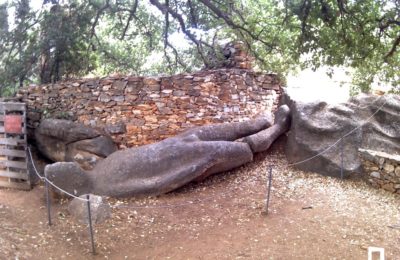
column 227, row 156
column 262, row 140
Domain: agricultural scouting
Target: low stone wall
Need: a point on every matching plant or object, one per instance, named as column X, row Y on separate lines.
column 141, row 110
column 382, row 169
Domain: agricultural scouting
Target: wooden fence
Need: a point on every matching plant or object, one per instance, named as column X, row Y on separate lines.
column 13, row 146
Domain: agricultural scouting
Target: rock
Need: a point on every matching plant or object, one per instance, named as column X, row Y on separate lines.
column 69, row 176
column 317, row 126
column 374, row 183
column 388, row 168
column 120, row 85
column 99, row 210
column 397, row 171
column 375, row 175
column 85, row 160
column 62, row 140
column 118, row 128
column 389, row 187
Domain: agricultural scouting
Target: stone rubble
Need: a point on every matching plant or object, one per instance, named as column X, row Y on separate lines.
column 382, row 169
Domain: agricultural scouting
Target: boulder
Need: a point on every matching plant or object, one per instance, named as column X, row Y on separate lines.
column 365, row 121
column 99, row 210
column 69, row 176
column 63, row 140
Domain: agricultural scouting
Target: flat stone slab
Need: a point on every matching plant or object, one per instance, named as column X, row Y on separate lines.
column 371, row 153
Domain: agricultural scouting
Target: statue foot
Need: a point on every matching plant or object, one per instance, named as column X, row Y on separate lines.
column 262, row 140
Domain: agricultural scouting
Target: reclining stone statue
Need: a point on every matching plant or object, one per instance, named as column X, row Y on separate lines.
column 169, row 164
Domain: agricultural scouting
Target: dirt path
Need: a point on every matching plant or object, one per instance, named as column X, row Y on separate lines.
column 311, row 217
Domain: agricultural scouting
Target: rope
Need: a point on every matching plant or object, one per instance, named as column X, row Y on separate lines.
column 33, row 164
column 64, row 191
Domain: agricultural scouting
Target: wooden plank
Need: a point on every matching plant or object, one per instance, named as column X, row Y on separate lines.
column 16, row 175
column 12, row 141
column 13, row 164
column 15, row 185
column 10, row 106
column 2, row 130
column 8, row 141
column 14, row 153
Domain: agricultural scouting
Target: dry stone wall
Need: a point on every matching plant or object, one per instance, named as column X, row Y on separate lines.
column 142, row 110
column 382, row 169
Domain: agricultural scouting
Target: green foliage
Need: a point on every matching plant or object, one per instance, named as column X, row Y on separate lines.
column 76, row 38
column 362, row 35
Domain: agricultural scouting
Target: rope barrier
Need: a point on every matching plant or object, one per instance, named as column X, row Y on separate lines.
column 64, row 191
column 33, row 164
column 207, row 199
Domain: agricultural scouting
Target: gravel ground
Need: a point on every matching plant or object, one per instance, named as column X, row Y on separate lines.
column 310, row 217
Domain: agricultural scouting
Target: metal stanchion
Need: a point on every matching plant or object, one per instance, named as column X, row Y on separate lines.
column 48, row 202
column 90, row 224
column 268, row 190
column 341, row 158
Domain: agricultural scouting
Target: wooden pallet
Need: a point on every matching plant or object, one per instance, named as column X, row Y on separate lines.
column 13, row 146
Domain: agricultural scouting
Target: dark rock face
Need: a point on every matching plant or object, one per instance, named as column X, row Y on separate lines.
column 317, row 126
column 63, row 140
column 167, row 165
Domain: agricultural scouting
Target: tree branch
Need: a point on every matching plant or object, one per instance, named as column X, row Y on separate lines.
column 393, row 49
column 131, row 15
column 96, row 19
column 230, row 23
column 179, row 18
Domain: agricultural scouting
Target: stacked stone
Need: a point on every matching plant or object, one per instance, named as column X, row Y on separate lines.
column 141, row 110
column 382, row 169
column 241, row 57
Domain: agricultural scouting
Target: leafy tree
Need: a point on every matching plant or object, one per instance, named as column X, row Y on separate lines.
column 76, row 38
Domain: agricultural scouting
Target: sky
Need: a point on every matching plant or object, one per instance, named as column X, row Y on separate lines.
column 312, row 85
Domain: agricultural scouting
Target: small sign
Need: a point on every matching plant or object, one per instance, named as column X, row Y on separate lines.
column 379, row 250
column 13, row 124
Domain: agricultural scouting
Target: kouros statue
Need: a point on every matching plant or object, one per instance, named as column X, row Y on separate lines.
column 169, row 164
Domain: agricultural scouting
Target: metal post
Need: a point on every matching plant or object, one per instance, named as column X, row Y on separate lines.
column 341, row 159
column 90, row 224
column 269, row 189
column 48, row 202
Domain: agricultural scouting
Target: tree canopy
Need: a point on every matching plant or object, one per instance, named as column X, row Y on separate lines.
column 72, row 38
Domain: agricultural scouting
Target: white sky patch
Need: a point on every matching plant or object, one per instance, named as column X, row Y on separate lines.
column 312, row 85
column 178, row 39
column 35, row 5
column 153, row 59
